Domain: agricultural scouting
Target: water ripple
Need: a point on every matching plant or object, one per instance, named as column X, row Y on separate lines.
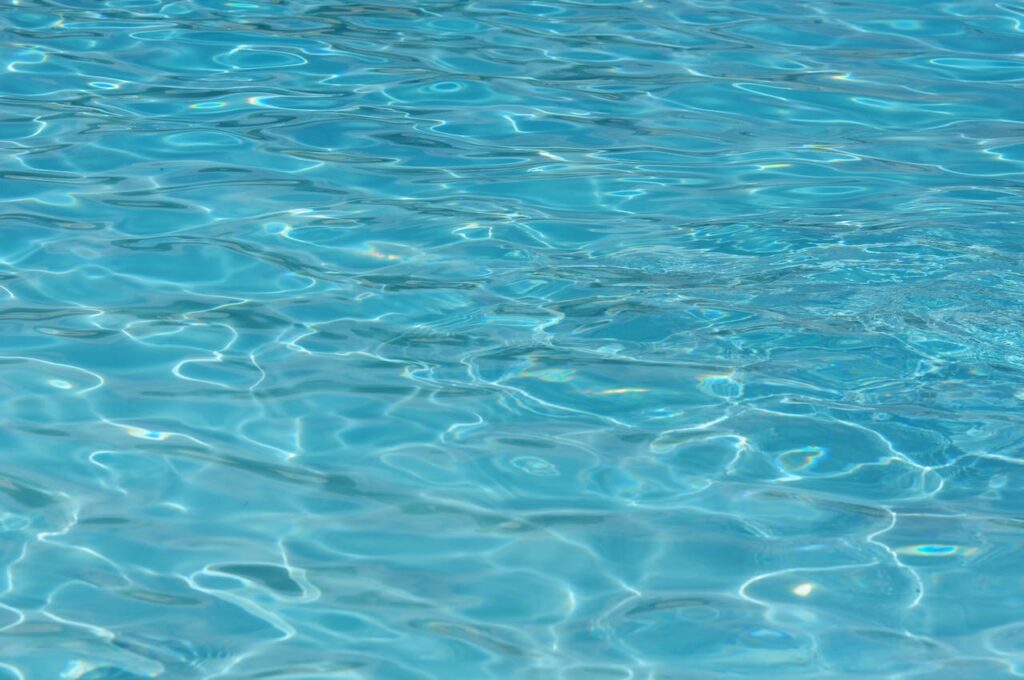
column 575, row 339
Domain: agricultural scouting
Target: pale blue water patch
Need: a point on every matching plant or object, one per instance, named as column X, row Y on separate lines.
column 517, row 340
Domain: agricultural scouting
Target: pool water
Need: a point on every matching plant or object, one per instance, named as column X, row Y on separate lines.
column 511, row 340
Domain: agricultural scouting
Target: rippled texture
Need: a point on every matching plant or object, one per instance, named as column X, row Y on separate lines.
column 511, row 340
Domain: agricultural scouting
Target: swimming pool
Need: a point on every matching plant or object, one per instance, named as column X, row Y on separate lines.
column 511, row 340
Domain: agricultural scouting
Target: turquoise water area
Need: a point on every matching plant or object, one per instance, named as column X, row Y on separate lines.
column 511, row 340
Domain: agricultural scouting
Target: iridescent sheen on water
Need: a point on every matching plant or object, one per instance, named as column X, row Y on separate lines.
column 511, row 340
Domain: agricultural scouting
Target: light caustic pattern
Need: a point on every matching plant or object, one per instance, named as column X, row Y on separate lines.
column 590, row 339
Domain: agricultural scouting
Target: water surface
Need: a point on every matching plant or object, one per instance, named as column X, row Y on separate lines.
column 511, row 340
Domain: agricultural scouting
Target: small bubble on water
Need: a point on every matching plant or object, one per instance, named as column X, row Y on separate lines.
column 147, row 434
column 802, row 458
column 937, row 550
column 803, row 590
column 446, row 86
column 722, row 386
column 208, row 105
column 535, row 466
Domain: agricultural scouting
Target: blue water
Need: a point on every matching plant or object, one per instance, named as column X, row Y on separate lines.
column 498, row 339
